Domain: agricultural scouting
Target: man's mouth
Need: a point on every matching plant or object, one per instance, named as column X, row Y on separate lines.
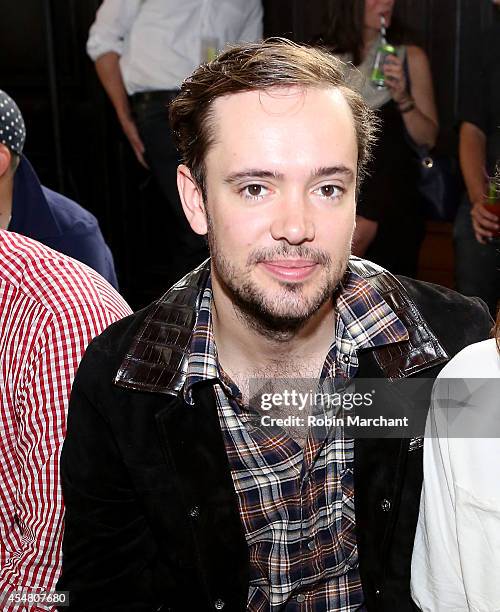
column 290, row 269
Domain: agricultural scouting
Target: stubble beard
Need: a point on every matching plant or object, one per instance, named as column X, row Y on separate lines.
column 279, row 316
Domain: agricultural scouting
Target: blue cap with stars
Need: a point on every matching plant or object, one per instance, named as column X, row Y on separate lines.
column 12, row 128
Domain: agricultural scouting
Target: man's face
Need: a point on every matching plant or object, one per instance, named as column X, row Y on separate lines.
column 280, row 206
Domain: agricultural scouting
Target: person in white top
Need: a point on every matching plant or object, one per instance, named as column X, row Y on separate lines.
column 456, row 556
column 143, row 50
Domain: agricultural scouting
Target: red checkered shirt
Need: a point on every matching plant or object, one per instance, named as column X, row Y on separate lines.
column 50, row 308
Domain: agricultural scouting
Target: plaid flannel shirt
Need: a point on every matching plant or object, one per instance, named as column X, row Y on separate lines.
column 297, row 504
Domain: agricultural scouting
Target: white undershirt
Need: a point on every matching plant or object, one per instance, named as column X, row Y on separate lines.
column 456, row 558
column 161, row 42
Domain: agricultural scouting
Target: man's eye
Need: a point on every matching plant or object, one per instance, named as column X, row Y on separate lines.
column 330, row 191
column 254, row 191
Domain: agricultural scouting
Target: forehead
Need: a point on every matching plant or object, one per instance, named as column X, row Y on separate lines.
column 284, row 125
column 279, row 105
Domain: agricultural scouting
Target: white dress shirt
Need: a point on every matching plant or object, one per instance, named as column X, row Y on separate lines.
column 456, row 557
column 161, row 42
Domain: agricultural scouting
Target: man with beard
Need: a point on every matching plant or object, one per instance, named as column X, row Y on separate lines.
column 177, row 499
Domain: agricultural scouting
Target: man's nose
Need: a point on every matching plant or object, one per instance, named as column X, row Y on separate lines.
column 293, row 220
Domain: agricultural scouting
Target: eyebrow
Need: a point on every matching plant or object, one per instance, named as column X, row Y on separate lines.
column 236, row 177
column 329, row 170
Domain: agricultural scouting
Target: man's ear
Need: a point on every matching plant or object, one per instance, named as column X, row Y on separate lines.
column 5, row 160
column 192, row 200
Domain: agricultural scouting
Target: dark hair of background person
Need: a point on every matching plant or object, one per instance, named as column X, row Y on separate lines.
column 276, row 62
column 344, row 34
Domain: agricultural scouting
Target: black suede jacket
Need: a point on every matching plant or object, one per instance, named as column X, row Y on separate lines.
column 152, row 519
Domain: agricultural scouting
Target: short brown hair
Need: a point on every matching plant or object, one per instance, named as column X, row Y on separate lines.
column 275, row 62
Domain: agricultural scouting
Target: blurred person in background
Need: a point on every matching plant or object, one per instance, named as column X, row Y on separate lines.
column 30, row 209
column 476, row 232
column 143, row 50
column 390, row 216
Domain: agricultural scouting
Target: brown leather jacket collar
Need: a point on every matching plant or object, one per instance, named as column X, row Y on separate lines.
column 157, row 358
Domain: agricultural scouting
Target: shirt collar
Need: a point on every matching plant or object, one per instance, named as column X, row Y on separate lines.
column 367, row 320
column 203, row 362
column 31, row 214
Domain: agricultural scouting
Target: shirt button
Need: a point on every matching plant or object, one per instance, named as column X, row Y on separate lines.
column 194, row 513
column 386, row 505
column 219, row 604
column 301, row 598
column 346, row 358
column 311, row 545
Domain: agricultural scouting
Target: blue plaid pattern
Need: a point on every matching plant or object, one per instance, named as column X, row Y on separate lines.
column 297, row 504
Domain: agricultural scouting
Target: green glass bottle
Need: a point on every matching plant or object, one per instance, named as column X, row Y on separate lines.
column 377, row 77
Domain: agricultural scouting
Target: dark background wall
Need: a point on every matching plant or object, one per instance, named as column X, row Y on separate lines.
column 77, row 148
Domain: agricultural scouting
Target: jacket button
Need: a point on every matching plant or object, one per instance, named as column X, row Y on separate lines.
column 386, row 505
column 219, row 604
column 194, row 513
